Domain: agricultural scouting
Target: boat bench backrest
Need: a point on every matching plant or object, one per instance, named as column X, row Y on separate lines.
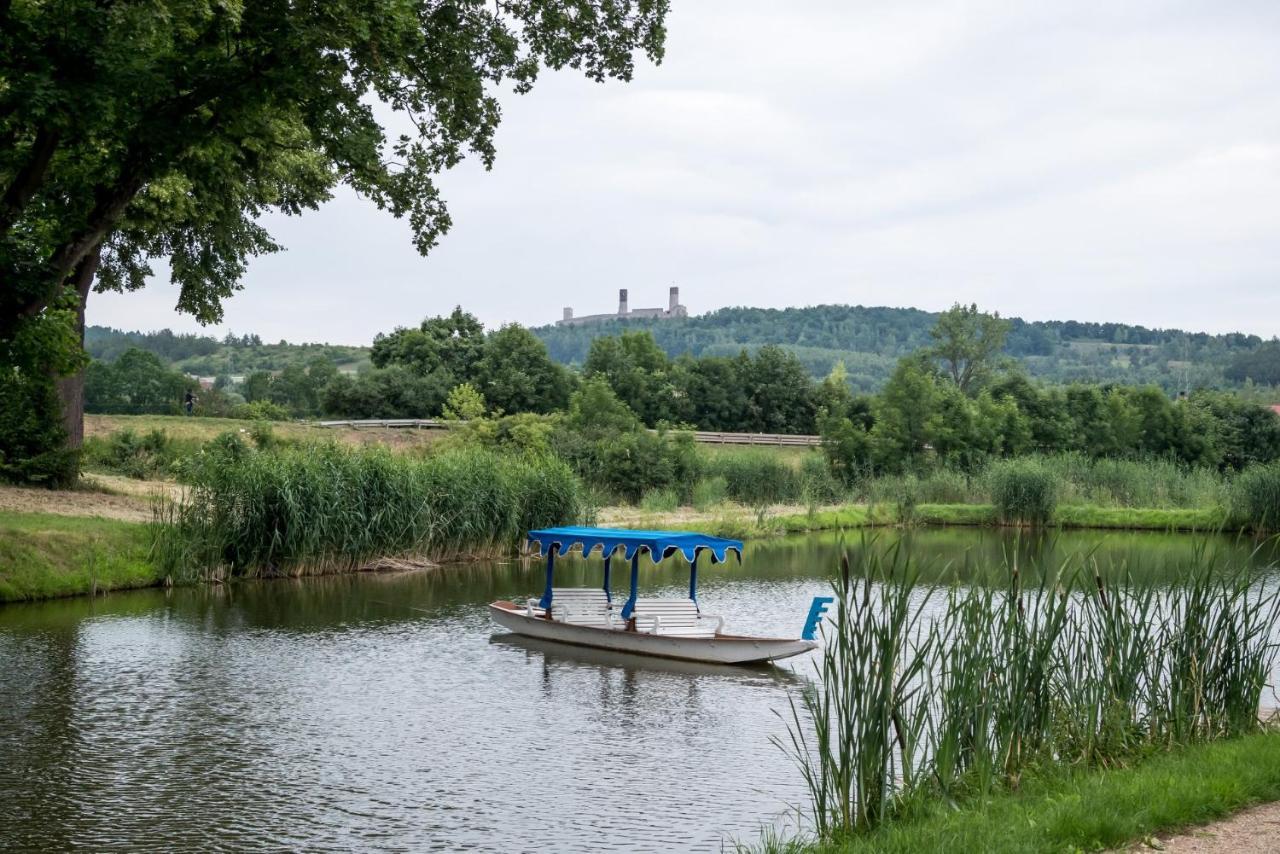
column 673, row 612
column 578, row 601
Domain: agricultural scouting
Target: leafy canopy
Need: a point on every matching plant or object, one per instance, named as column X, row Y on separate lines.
column 142, row 128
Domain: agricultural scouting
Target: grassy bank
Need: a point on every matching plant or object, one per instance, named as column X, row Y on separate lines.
column 744, row 522
column 1088, row 811
column 45, row 556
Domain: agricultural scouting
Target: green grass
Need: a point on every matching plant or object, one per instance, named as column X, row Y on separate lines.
column 1088, row 811
column 44, row 556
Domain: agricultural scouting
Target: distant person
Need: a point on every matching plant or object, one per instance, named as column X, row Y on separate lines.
column 189, row 402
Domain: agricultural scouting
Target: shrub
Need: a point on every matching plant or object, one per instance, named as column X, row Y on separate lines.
column 1024, row 491
column 818, row 485
column 260, row 410
column 709, row 492
column 756, row 478
column 128, row 453
column 660, row 501
column 1256, row 497
column 32, row 440
column 464, row 403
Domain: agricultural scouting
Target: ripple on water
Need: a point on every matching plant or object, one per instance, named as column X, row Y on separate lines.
column 381, row 713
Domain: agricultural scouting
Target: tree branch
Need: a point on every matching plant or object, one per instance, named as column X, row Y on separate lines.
column 29, row 177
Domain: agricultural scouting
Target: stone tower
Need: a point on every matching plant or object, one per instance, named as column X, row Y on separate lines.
column 622, row 302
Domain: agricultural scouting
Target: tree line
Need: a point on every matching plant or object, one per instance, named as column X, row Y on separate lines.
column 958, row 399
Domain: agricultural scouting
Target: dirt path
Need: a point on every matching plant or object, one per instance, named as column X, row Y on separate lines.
column 1254, row 831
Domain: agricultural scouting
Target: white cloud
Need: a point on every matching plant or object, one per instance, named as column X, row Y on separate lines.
column 1088, row 160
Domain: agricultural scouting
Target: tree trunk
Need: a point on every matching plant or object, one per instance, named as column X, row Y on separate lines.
column 71, row 389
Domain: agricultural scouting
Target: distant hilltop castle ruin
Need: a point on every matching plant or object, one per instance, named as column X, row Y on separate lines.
column 673, row 309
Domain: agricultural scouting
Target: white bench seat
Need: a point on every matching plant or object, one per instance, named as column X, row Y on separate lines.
column 581, row 606
column 675, row 617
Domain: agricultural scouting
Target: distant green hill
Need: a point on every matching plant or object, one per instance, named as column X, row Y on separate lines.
column 870, row 340
column 204, row 356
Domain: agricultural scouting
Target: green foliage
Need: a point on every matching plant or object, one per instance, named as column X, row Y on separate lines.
column 464, row 403
column 755, row 477
column 1260, row 365
column 709, row 492
column 136, row 383
column 260, row 410
column 515, row 373
column 32, row 439
column 146, row 456
column 660, row 501
column 392, row 392
column 1024, row 491
column 1256, row 499
column 639, row 373
column 920, row 699
column 268, row 512
column 968, row 343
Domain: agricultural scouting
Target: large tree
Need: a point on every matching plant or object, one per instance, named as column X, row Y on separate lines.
column 140, row 129
column 969, row 343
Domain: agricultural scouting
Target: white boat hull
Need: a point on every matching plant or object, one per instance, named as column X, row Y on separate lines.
column 721, row 649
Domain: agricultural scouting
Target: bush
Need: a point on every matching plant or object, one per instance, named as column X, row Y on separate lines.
column 660, row 501
column 143, row 457
column 756, row 478
column 1256, row 497
column 260, row 410
column 32, row 440
column 818, row 485
column 1025, row 491
column 709, row 492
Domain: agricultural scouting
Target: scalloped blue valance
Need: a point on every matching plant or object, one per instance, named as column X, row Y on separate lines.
column 659, row 544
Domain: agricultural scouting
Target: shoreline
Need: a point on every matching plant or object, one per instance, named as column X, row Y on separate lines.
column 83, row 543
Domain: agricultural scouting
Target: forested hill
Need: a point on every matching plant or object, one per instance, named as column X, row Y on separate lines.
column 202, row 355
column 870, row 340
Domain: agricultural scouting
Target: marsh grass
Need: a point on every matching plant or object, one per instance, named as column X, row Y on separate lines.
column 1256, row 497
column 928, row 693
column 1023, row 491
column 319, row 509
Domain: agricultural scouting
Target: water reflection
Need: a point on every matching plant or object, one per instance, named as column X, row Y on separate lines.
column 382, row 712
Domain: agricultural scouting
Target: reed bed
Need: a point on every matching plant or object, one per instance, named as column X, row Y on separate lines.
column 1256, row 499
column 329, row 508
column 927, row 692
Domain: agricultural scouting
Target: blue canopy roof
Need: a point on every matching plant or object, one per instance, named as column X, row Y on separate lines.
column 660, row 544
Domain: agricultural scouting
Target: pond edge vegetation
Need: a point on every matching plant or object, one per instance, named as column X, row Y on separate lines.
column 928, row 696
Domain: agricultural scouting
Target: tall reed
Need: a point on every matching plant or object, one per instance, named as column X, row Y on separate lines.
column 250, row 512
column 1256, row 498
column 922, row 696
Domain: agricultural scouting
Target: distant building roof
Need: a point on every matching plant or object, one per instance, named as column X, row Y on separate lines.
column 1275, row 407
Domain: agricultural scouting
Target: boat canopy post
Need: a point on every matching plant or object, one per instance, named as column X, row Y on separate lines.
column 608, row 597
column 630, row 606
column 693, row 576
column 545, row 602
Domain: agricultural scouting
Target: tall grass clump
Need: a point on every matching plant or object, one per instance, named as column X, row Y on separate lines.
column 1024, row 491
column 1256, row 497
column 250, row 512
column 755, row 477
column 921, row 696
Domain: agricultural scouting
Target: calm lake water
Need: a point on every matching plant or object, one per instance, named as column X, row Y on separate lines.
column 384, row 712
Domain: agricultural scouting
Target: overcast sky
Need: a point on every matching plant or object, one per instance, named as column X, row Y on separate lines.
column 1050, row 160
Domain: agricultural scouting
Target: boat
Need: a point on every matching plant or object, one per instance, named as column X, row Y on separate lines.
column 667, row 628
